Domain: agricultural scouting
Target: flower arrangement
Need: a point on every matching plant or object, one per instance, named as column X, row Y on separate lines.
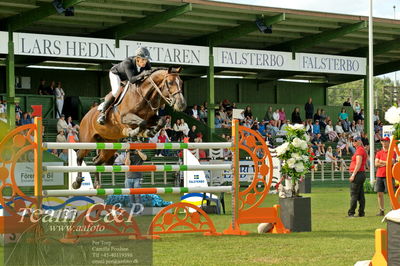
column 393, row 117
column 295, row 154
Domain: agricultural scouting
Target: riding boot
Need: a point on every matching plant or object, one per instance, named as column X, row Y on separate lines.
column 106, row 104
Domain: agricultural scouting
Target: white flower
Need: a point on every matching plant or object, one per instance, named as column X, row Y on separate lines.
column 297, row 126
column 299, row 167
column 296, row 156
column 297, row 142
column 304, row 145
column 305, row 158
column 282, row 149
column 307, row 137
column 393, row 115
column 291, row 163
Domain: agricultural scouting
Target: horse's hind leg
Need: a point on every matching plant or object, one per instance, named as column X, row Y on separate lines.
column 104, row 156
column 80, row 155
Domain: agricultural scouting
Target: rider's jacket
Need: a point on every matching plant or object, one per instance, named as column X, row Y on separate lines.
column 128, row 70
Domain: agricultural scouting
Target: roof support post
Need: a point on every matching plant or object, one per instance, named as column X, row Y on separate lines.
column 210, row 96
column 10, row 80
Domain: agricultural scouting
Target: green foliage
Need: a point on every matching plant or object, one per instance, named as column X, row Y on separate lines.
column 368, row 187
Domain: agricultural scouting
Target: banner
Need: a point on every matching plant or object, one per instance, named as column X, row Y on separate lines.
column 259, row 59
column 23, row 175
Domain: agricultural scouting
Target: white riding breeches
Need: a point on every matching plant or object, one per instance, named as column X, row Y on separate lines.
column 115, row 82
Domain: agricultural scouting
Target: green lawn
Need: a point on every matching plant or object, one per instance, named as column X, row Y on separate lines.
column 334, row 240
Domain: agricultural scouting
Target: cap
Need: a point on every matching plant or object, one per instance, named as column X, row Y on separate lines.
column 385, row 139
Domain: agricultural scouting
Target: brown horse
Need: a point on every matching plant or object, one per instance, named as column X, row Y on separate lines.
column 135, row 115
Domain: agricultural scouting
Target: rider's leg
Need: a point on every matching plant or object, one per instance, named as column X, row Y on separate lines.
column 115, row 83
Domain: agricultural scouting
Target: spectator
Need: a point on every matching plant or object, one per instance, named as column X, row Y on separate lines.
column 380, row 163
column 51, row 89
column 343, row 117
column 120, row 158
column 3, row 110
column 184, row 127
column 26, row 119
column 223, row 114
column 296, row 119
column 319, row 147
column 203, row 114
column 377, row 136
column 133, row 179
column 59, row 93
column 357, row 111
column 192, row 133
column 376, row 117
column 18, row 109
column 347, row 102
column 247, row 112
column 309, row 128
column 262, row 129
column 330, row 158
column 178, row 133
column 350, row 149
column 316, row 127
column 282, row 116
column 353, row 129
column 62, row 124
column 339, row 128
column 162, row 138
column 71, row 125
column 309, row 108
column 317, row 115
column 359, row 127
column 195, row 112
column 42, row 90
column 269, row 114
column 168, row 127
column 271, row 130
column 276, row 122
column 357, row 179
column 332, row 135
column 64, row 155
column 365, row 140
column 342, row 142
column 61, row 136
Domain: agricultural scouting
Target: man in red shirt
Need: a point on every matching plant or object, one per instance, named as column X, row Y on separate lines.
column 380, row 163
column 357, row 178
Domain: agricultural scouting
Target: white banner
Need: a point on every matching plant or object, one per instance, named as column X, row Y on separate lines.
column 258, row 59
column 104, row 49
column 387, row 131
column 24, row 175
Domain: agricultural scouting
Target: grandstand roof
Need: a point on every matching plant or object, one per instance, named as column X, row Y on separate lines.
column 200, row 22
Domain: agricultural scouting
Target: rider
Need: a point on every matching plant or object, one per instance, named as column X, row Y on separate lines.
column 132, row 69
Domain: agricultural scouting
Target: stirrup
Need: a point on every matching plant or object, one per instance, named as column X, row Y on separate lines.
column 101, row 119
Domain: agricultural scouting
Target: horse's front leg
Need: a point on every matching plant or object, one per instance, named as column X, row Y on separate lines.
column 133, row 120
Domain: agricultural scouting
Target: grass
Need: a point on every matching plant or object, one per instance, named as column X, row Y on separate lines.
column 334, row 240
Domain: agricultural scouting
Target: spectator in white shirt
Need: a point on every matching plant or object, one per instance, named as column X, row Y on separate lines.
column 59, row 93
column 62, row 124
column 332, row 135
column 275, row 116
column 184, row 127
column 195, row 112
column 339, row 128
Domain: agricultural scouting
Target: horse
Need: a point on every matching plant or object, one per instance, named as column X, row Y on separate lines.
column 134, row 115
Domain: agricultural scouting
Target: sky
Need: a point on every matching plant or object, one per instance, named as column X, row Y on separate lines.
column 381, row 8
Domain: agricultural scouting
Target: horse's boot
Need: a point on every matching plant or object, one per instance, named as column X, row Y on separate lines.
column 101, row 119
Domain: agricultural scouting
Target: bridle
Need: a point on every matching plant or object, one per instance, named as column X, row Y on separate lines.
column 170, row 99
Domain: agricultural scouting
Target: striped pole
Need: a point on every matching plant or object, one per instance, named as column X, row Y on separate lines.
column 132, row 191
column 137, row 168
column 135, row 146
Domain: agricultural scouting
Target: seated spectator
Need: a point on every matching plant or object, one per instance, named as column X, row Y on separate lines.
column 338, row 128
column 192, row 133
column 296, row 119
column 218, row 121
column 284, row 126
column 195, row 112
column 317, row 115
column 353, row 129
column 343, row 118
column 168, row 127
column 203, row 114
column 376, row 117
column 378, row 136
column 247, row 112
column 64, row 155
column 71, row 125
column 318, row 146
column 178, row 134
column 26, row 119
column 223, row 114
column 276, row 122
column 357, row 111
column 309, row 128
column 359, row 127
column 350, row 149
column 282, row 116
column 271, row 130
column 184, row 127
column 342, row 142
column 323, row 115
column 62, row 124
column 61, row 136
column 262, row 129
column 72, row 136
column 330, row 158
column 162, row 138
column 269, row 114
column 330, row 132
column 365, row 141
column 316, row 127
column 338, row 155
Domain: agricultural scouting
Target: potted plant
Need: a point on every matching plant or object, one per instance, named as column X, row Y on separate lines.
column 296, row 161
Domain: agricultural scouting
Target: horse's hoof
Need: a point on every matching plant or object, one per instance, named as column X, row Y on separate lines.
column 76, row 185
column 79, row 179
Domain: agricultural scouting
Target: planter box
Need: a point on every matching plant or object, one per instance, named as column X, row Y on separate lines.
column 305, row 186
column 296, row 214
column 393, row 230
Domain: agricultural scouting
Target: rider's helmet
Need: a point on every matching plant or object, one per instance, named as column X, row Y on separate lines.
column 142, row 52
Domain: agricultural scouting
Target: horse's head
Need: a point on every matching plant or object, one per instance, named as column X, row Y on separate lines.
column 172, row 89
